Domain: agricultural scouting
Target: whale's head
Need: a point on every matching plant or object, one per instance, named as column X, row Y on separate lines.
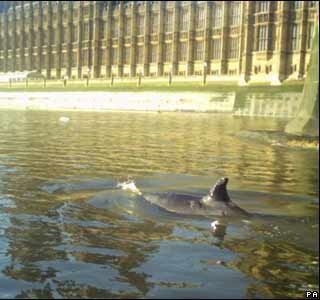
column 219, row 190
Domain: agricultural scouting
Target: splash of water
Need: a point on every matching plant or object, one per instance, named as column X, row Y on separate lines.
column 129, row 185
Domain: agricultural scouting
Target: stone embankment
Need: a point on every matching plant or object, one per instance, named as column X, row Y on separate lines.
column 121, row 101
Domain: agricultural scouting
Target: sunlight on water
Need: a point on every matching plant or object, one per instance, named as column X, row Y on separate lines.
column 67, row 230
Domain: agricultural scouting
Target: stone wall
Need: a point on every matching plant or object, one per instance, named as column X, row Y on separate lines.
column 102, row 101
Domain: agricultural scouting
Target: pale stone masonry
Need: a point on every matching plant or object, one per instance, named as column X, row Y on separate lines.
column 245, row 41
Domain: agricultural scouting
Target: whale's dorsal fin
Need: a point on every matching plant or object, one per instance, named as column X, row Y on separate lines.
column 219, row 191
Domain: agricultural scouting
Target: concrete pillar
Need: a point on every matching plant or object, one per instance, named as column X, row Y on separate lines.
column 59, row 39
column 175, row 42
column 191, row 36
column 247, row 45
column 69, row 37
column 50, row 36
column 307, row 121
column 14, row 38
column 6, row 33
column 282, row 34
column 133, row 70
column 22, row 39
column 161, row 37
column 89, row 71
column 207, row 36
column 97, row 10
column 121, row 39
column 303, row 40
column 224, row 39
column 31, row 38
column 146, row 38
column 80, row 35
column 39, row 38
column 108, row 40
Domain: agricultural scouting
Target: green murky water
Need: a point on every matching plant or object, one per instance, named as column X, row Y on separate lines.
column 66, row 231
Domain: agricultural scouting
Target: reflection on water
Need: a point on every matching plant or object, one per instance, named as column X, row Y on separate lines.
column 67, row 231
column 273, row 105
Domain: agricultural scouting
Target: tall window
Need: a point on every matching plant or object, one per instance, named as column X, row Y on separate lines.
column 1, row 65
column 53, row 37
column 44, row 37
column 235, row 10
column 233, row 48
column 18, row 62
column 295, row 39
column 168, row 21
column 64, row 60
column 35, row 60
column 75, row 15
column 153, row 53
column 200, row 17
column 103, row 56
column 140, row 54
column 74, row 33
column 127, row 55
column 184, row 19
column 167, row 52
column 64, row 34
column 115, row 27
column 74, row 59
column 313, row 3
column 140, row 24
column 44, row 19
column 26, row 40
column 310, row 34
column 154, row 23
column 199, row 47
column 217, row 14
column 297, row 4
column 101, row 31
column 183, row 47
column 262, row 38
column 114, row 55
column 216, row 49
column 127, row 26
column 10, row 63
column 86, row 31
column 262, row 6
column 54, row 60
column 86, row 11
column 65, row 15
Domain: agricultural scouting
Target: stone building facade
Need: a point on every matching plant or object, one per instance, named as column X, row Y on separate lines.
column 227, row 40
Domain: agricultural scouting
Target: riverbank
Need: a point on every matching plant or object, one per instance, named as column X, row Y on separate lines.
column 147, row 85
column 126, row 101
column 249, row 101
column 152, row 95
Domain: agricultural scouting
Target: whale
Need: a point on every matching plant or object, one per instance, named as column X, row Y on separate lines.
column 216, row 203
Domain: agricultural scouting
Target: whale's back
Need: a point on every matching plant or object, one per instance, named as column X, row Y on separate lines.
column 179, row 203
column 194, row 205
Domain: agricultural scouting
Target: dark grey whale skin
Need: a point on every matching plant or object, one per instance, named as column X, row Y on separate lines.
column 216, row 203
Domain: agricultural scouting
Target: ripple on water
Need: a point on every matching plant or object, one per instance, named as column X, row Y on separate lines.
column 60, row 238
column 84, row 184
column 7, row 202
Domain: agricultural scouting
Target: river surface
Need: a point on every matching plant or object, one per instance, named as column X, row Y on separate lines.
column 67, row 231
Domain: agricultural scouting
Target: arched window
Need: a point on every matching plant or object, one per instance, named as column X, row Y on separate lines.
column 217, row 14
column 184, row 19
column 263, row 6
column 235, row 10
column 200, row 17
